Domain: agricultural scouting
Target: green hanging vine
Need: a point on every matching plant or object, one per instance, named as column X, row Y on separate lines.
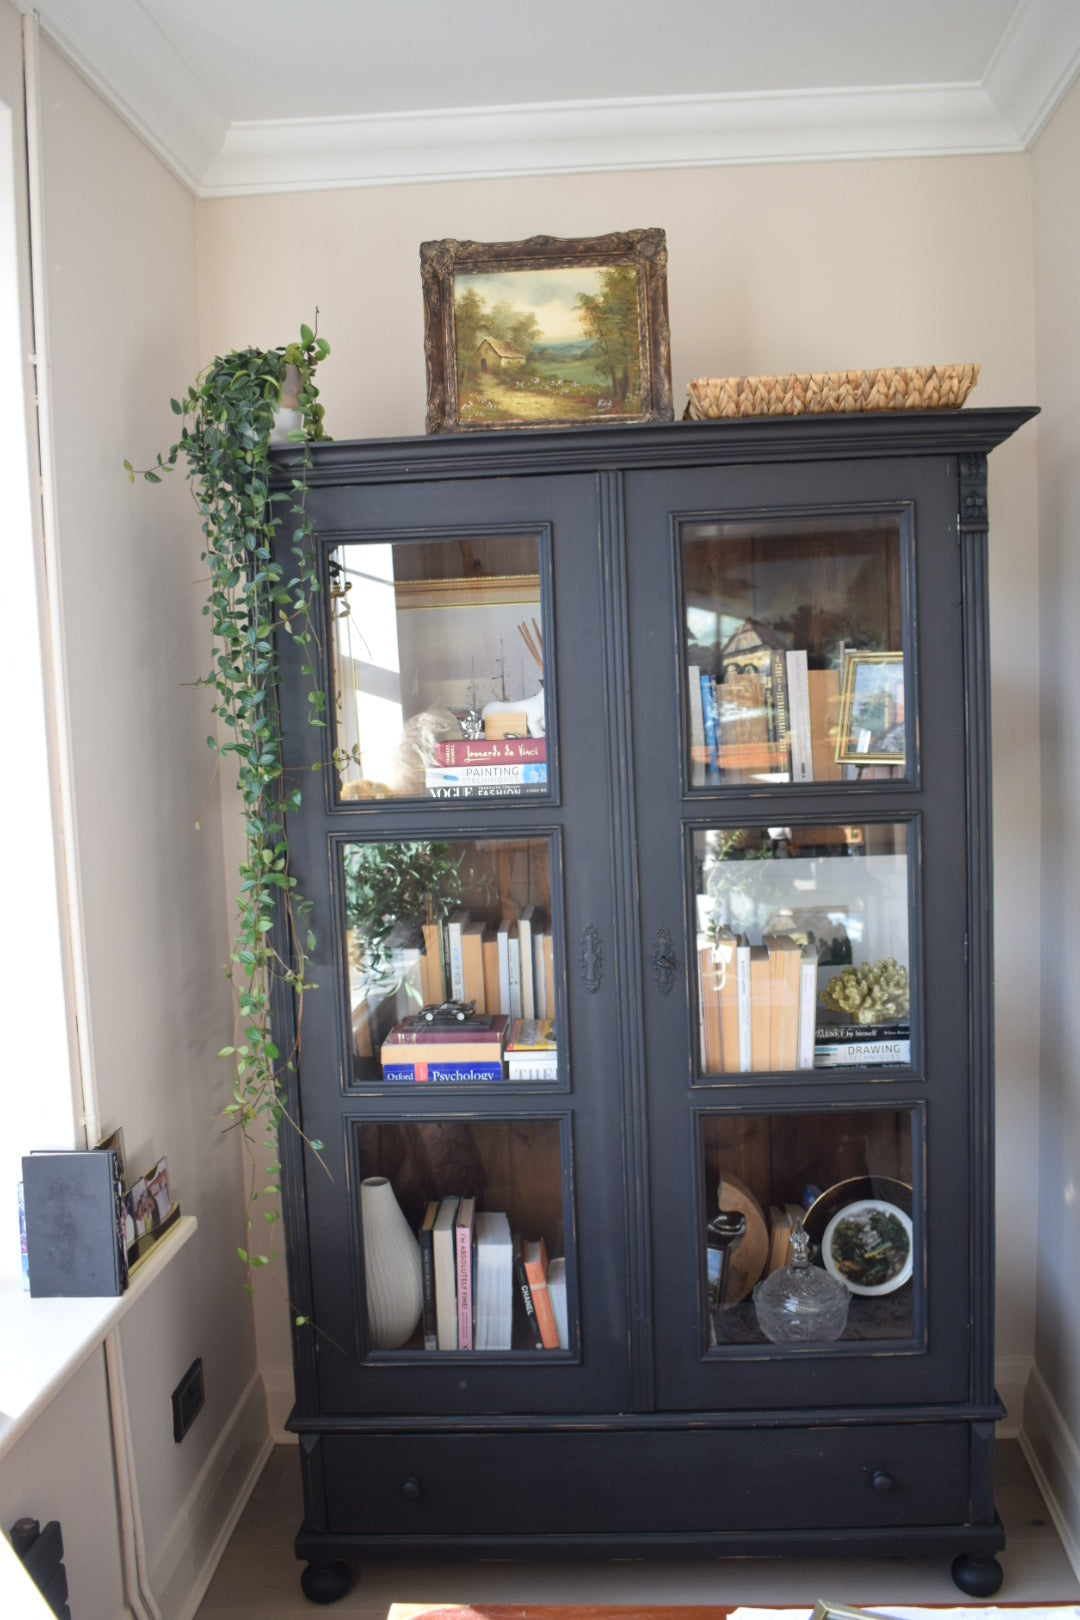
column 253, row 600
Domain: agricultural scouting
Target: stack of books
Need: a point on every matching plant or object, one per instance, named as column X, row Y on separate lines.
column 842, row 1045
column 532, row 1050
column 777, row 721
column 416, row 1052
column 479, row 1280
column 487, row 767
column 509, row 969
column 467, row 1270
column 759, row 1011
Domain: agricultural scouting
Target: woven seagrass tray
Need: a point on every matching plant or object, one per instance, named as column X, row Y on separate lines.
column 893, row 388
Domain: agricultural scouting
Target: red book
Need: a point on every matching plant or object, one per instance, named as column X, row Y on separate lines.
column 464, row 1228
column 536, row 1268
column 417, row 1032
column 491, row 751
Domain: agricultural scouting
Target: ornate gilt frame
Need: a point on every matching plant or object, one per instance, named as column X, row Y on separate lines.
column 442, row 261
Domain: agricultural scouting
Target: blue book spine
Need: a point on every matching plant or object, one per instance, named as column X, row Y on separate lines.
column 441, row 1073
column 710, row 714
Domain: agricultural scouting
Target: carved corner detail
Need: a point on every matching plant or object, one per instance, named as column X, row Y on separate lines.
column 974, row 506
column 665, row 962
column 592, row 958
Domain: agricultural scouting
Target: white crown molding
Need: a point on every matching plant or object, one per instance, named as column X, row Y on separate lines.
column 575, row 137
column 134, row 67
column 1034, row 66
column 122, row 52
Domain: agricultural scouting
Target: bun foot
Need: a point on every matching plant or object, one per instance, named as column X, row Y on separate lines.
column 978, row 1577
column 324, row 1581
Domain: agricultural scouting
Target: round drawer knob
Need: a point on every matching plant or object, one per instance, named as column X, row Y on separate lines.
column 410, row 1489
column 882, row 1482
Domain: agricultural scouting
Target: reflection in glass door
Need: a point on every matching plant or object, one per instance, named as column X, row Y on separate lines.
column 453, row 959
column 844, row 1178
column 802, row 948
column 438, row 669
column 793, row 650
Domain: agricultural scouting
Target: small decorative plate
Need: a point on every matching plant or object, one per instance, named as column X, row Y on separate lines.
column 867, row 1246
column 842, row 1193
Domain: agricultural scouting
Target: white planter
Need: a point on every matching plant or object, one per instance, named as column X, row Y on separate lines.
column 391, row 1266
column 287, row 417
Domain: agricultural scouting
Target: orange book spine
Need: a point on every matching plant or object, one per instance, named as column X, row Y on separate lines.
column 536, row 1265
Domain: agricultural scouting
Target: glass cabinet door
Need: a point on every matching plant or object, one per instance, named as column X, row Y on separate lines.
column 793, row 657
column 438, row 668
column 796, row 806
column 454, row 959
column 802, row 947
column 455, row 847
column 845, row 1178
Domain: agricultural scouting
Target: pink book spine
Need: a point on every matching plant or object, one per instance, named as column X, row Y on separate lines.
column 463, row 1235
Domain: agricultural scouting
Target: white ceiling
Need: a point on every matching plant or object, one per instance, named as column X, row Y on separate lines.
column 273, row 95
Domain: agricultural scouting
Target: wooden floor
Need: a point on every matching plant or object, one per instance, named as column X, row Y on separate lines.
column 259, row 1576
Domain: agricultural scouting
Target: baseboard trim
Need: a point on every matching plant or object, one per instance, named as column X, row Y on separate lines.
column 1010, row 1380
column 184, row 1564
column 280, row 1400
column 1053, row 1456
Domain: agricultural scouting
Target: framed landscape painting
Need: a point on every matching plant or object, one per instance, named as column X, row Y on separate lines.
column 871, row 729
column 546, row 332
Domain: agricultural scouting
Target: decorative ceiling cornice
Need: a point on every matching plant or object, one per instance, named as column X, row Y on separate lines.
column 134, row 66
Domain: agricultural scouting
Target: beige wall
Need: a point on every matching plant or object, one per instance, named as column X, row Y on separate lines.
column 771, row 268
column 1053, row 1408
column 118, row 251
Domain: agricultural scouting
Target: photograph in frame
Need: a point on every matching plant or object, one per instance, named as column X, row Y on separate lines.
column 871, row 729
column 546, row 332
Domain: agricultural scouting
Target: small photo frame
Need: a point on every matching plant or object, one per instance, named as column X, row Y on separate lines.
column 871, row 729
column 546, row 332
column 150, row 1199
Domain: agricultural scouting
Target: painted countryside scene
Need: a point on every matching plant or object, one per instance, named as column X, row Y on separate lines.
column 549, row 345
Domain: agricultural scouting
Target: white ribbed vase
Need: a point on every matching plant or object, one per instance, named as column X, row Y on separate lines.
column 391, row 1266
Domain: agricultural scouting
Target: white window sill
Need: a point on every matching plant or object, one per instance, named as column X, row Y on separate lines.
column 43, row 1342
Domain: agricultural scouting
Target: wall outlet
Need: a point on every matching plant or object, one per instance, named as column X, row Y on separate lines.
column 187, row 1399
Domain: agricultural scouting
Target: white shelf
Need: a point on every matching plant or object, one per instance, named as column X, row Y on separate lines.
column 43, row 1342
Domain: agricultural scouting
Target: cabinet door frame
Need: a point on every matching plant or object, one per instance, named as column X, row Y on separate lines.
column 932, row 798
column 337, row 1372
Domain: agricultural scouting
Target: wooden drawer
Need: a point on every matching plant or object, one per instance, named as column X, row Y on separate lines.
column 619, row 1481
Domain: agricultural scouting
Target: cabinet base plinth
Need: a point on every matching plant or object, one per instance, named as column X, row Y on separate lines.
column 325, row 1580
column 975, row 1563
column 978, row 1577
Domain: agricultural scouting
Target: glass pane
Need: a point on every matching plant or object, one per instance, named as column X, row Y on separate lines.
column 847, row 1179
column 438, row 669
column 496, row 1182
column 453, row 959
column 793, row 650
column 802, row 947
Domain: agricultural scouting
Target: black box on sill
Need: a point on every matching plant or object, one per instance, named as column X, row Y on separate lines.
column 74, row 1234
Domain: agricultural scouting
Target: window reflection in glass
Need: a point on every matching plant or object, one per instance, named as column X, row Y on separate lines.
column 802, row 947
column 463, row 921
column 793, row 649
column 439, row 669
column 847, row 1178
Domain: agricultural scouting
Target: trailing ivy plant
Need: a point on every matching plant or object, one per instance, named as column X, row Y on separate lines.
column 388, row 886
column 253, row 600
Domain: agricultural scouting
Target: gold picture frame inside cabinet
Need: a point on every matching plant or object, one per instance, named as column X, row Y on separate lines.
column 871, row 729
column 491, row 591
column 546, row 332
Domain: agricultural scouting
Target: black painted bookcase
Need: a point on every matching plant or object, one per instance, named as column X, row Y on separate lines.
column 746, row 666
